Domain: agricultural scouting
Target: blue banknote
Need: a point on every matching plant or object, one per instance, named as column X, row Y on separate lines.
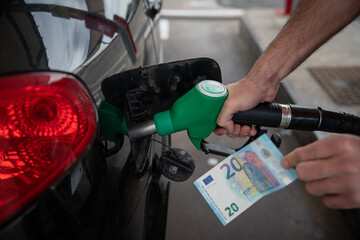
column 243, row 178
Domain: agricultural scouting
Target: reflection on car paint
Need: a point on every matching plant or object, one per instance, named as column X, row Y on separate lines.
column 84, row 43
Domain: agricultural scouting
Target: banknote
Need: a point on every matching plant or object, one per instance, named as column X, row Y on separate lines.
column 243, row 178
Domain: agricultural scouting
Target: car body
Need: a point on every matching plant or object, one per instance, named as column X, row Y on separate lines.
column 54, row 56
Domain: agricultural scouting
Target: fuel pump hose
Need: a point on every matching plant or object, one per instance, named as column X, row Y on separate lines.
column 299, row 118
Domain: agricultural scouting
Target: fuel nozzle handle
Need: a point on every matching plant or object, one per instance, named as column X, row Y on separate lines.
column 299, row 118
column 196, row 111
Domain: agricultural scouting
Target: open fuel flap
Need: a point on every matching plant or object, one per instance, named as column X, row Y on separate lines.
column 135, row 96
column 144, row 91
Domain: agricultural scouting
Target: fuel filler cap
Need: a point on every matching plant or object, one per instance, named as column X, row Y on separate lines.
column 176, row 164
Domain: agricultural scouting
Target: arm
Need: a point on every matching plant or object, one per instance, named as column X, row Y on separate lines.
column 311, row 24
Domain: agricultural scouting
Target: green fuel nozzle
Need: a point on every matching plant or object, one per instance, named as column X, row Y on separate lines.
column 112, row 123
column 196, row 112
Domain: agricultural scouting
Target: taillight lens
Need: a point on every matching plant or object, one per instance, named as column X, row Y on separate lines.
column 47, row 120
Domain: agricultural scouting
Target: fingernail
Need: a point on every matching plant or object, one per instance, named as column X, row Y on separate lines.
column 245, row 133
column 291, row 160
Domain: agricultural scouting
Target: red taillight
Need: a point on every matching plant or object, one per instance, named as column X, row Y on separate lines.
column 47, row 120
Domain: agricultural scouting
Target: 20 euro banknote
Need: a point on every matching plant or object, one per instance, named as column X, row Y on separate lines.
column 243, row 178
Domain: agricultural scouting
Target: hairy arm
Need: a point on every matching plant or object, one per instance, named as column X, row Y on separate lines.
column 312, row 23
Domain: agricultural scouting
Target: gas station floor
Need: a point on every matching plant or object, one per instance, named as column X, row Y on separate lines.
column 287, row 214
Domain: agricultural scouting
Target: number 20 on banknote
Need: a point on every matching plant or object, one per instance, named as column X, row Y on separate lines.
column 243, row 178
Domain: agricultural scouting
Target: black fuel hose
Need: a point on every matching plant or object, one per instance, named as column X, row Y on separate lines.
column 299, row 118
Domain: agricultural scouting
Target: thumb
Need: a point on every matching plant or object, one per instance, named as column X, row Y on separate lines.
column 289, row 161
column 225, row 118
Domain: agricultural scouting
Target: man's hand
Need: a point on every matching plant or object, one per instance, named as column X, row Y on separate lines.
column 243, row 95
column 331, row 169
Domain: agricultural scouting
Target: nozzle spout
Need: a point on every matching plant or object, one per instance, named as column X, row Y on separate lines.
column 143, row 129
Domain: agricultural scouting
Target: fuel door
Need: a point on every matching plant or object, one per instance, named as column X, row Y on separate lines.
column 142, row 92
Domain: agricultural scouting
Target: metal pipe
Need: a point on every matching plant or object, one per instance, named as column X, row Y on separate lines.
column 143, row 129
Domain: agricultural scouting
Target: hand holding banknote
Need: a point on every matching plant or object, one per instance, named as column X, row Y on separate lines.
column 330, row 169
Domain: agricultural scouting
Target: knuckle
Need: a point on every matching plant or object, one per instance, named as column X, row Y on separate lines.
column 299, row 172
column 329, row 202
column 313, row 189
column 300, row 154
column 219, row 121
column 355, row 199
column 353, row 183
column 353, row 186
column 231, row 135
column 309, row 188
column 347, row 144
column 348, row 167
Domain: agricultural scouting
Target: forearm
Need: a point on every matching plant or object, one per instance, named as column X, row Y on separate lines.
column 311, row 24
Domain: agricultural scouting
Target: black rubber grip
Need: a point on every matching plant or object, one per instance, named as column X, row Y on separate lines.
column 339, row 122
column 264, row 114
column 302, row 118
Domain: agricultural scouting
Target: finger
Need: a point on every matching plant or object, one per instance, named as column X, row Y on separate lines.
column 336, row 185
column 253, row 132
column 245, row 131
column 342, row 201
column 224, row 120
column 289, row 161
column 333, row 166
column 320, row 149
column 225, row 117
column 236, row 132
column 220, row 131
column 232, row 135
column 319, row 169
